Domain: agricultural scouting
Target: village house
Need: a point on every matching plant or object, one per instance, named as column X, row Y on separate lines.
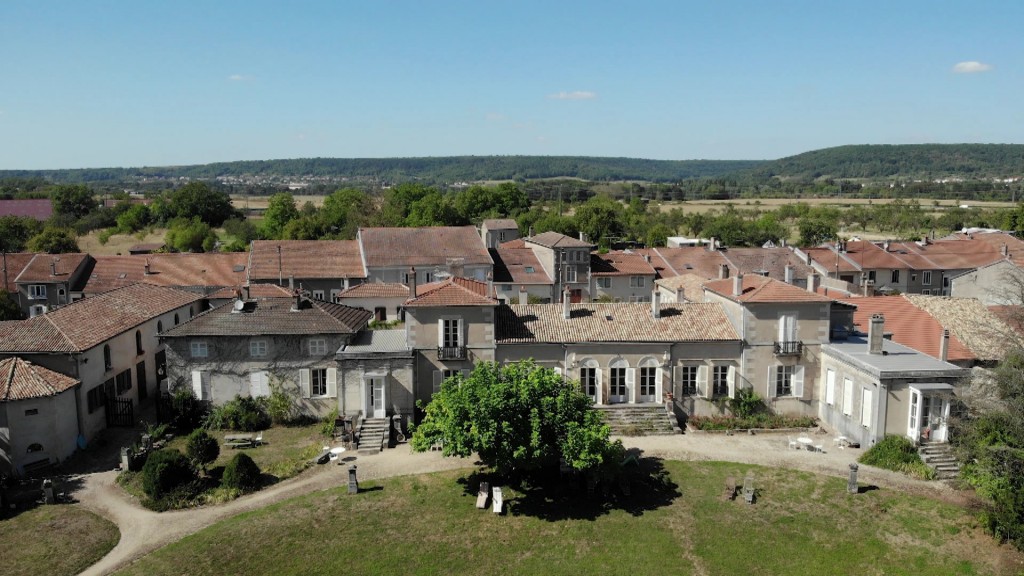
column 566, row 261
column 497, row 231
column 35, row 431
column 434, row 251
column 52, row 280
column 324, row 268
column 201, row 273
column 621, row 276
column 519, row 276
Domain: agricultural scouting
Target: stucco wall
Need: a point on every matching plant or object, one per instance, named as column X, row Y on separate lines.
column 398, row 383
column 48, row 427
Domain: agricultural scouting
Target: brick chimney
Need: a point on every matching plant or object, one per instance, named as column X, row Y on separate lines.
column 876, row 334
column 523, row 296
column 944, row 346
column 412, row 282
column 737, row 285
column 656, row 304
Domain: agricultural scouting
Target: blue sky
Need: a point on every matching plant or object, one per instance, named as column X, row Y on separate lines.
column 97, row 84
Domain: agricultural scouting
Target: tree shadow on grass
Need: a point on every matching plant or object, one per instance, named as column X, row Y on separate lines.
column 643, row 485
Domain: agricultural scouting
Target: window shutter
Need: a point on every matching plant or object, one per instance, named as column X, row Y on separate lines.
column 703, row 387
column 730, row 380
column 254, row 384
column 867, row 399
column 677, row 380
column 332, row 382
column 798, row 381
column 631, row 384
column 658, row 394
column 600, row 384
column 830, row 387
column 437, row 382
column 197, row 384
column 847, row 396
column 304, row 382
column 440, row 332
column 771, row 381
column 463, row 337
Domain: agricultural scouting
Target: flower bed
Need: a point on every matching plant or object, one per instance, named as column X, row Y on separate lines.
column 757, row 421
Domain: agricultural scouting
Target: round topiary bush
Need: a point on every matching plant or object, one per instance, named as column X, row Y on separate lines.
column 201, row 448
column 164, row 471
column 241, row 473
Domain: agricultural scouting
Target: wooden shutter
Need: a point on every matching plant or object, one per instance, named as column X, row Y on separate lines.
column 600, row 384
column 304, row 382
column 258, row 385
column 197, row 384
column 847, row 396
column 332, row 382
column 772, row 372
column 703, row 384
column 631, row 384
column 730, row 380
column 798, row 381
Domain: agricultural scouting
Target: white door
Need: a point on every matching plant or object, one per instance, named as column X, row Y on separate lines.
column 648, row 383
column 914, row 418
column 618, row 392
column 934, row 411
column 375, row 401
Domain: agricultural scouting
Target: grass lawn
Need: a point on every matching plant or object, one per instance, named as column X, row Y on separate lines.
column 801, row 524
column 54, row 540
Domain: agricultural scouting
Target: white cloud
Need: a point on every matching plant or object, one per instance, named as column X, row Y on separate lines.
column 237, row 77
column 971, row 67
column 575, row 95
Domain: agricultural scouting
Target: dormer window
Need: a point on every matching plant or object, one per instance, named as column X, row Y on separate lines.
column 37, row 292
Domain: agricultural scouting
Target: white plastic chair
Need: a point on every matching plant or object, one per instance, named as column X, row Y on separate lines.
column 793, row 443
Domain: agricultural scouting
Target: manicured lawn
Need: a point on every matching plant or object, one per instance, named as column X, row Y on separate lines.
column 801, row 524
column 54, row 540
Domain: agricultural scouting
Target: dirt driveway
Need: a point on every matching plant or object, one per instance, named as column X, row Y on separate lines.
column 143, row 531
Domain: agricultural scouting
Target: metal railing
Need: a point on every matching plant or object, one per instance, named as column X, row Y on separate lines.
column 451, row 352
column 789, row 348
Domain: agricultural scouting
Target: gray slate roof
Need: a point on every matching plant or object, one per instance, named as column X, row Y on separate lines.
column 275, row 316
column 377, row 342
column 897, row 361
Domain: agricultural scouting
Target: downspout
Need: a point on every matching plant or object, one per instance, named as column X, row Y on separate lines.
column 881, row 409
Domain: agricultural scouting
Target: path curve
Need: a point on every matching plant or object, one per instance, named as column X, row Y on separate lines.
column 143, row 531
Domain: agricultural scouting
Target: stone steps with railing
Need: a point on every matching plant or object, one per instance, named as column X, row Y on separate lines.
column 639, row 420
column 373, row 435
column 940, row 457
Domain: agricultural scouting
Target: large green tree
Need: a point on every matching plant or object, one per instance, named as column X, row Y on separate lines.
column 280, row 211
column 190, row 236
column 198, row 200
column 73, row 200
column 9, row 309
column 346, row 210
column 519, row 418
column 600, row 218
column 15, row 232
column 54, row 240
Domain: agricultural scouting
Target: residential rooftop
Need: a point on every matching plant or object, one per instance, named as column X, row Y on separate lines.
column 454, row 291
column 896, row 360
column 205, row 270
column 517, row 266
column 22, row 380
column 620, row 263
column 909, row 326
column 422, row 246
column 50, row 268
column 759, row 289
column 276, row 316
column 274, row 260
column 376, row 290
column 371, row 342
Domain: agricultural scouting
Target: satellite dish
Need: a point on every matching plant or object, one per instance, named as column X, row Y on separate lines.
column 239, row 305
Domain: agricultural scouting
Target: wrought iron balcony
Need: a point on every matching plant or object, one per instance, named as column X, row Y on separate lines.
column 789, row 348
column 451, row 352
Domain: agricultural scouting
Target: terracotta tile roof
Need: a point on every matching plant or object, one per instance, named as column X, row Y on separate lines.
column 517, row 266
column 91, row 321
column 692, row 285
column 516, row 244
column 661, row 267
column 620, row 263
column 909, row 325
column 422, row 246
column 831, row 260
column 552, row 239
column 275, row 316
column 376, row 290
column 452, row 292
column 39, row 269
column 501, row 224
column 984, row 333
column 696, row 322
column 15, row 262
column 305, row 259
column 770, row 260
column 255, row 291
column 21, row 380
column 758, row 289
column 693, row 260
column 215, row 269
column 38, row 208
column 1012, row 315
column 946, row 254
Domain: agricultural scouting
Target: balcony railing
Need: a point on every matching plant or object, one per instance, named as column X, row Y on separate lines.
column 451, row 352
column 789, row 348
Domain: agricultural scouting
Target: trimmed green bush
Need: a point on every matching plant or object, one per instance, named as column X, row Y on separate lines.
column 897, row 453
column 201, row 448
column 164, row 471
column 243, row 413
column 762, row 420
column 241, row 473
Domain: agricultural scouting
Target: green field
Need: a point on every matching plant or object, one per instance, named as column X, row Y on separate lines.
column 54, row 540
column 801, row 523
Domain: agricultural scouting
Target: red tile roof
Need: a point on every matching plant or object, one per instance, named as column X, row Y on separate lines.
column 759, row 289
column 693, row 260
column 21, row 380
column 946, row 254
column 552, row 239
column 692, row 285
column 14, row 263
column 516, row 244
column 620, row 263
column 275, row 316
column 452, row 292
column 305, row 259
column 255, row 291
column 39, row 269
column 422, row 246
column 215, row 269
column 91, row 321
column 908, row 324
column 831, row 260
column 770, row 260
column 376, row 290
column 40, row 209
column 517, row 266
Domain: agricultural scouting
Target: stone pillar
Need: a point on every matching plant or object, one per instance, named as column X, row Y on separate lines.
column 851, row 484
column 353, row 484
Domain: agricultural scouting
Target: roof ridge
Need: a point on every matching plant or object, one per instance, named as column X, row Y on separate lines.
column 10, row 379
column 60, row 331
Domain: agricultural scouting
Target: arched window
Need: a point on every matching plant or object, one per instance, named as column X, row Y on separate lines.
column 138, row 342
column 648, row 380
column 36, row 447
column 617, row 372
column 107, row 362
column 590, row 377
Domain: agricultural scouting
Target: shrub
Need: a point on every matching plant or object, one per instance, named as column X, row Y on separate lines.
column 897, row 453
column 327, row 424
column 762, row 420
column 280, row 406
column 746, row 403
column 244, row 413
column 201, row 448
column 165, row 471
column 187, row 412
column 241, row 473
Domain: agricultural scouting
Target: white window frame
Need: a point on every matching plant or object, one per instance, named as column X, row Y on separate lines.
column 318, row 295
column 317, row 346
column 199, row 349
column 36, row 310
column 688, row 379
column 783, row 380
column 317, row 382
column 830, row 387
column 447, row 327
column 37, row 291
column 570, row 274
column 926, row 277
column 788, row 327
column 590, row 370
column 894, row 276
column 926, row 292
column 720, row 380
column 335, row 293
column 258, row 348
column 637, row 282
column 847, row 397
column 604, row 282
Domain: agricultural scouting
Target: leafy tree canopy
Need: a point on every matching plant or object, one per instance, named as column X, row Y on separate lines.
column 190, row 236
column 280, row 211
column 197, row 200
column 15, row 232
column 519, row 418
column 54, row 241
column 73, row 200
column 9, row 309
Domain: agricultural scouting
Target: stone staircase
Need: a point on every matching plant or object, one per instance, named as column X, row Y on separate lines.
column 373, row 435
column 939, row 456
column 639, row 420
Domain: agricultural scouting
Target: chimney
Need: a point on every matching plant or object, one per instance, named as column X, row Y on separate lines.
column 523, row 296
column 53, row 268
column 782, row 242
column 812, row 282
column 248, row 294
column 298, row 301
column 737, row 285
column 712, row 244
column 924, row 240
column 680, row 294
column 656, row 304
column 869, row 288
column 490, row 285
column 412, row 282
column 291, row 282
column 788, row 274
column 583, row 237
column 885, row 245
column 944, row 346
column 530, row 233
column 723, row 271
column 876, row 334
column 148, row 271
column 566, row 313
column 807, row 258
column 1004, row 250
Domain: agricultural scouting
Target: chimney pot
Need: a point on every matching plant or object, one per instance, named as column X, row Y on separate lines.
column 1004, row 251
column 680, row 294
column 523, row 296
column 656, row 304
column 412, row 282
column 566, row 311
column 944, row 346
column 737, row 285
column 788, row 271
column 723, row 271
column 876, row 333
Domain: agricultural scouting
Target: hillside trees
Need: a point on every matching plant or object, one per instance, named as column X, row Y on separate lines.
column 15, row 232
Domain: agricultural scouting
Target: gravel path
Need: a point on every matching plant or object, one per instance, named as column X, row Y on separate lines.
column 143, row 531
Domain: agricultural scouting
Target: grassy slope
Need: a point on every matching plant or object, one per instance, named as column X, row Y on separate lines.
column 54, row 540
column 802, row 524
